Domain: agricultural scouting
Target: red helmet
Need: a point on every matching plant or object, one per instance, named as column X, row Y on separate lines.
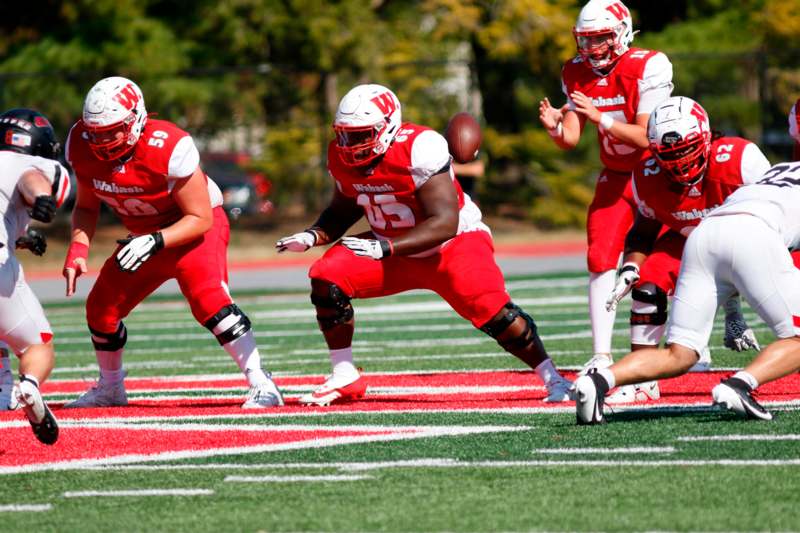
column 680, row 138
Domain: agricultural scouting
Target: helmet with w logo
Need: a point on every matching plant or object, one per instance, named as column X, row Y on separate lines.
column 113, row 117
column 366, row 122
column 603, row 32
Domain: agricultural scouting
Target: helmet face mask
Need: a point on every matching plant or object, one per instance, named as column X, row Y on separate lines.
column 603, row 32
column 680, row 139
column 366, row 122
column 113, row 117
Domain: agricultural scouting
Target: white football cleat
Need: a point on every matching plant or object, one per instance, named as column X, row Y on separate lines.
column 589, row 399
column 598, row 360
column 735, row 395
column 704, row 363
column 264, row 395
column 560, row 390
column 102, row 394
column 7, row 399
column 336, row 389
column 639, row 392
column 42, row 421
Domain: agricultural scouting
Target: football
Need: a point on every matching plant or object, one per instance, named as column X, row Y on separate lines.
column 464, row 137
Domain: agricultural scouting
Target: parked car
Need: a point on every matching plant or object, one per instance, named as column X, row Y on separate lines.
column 244, row 192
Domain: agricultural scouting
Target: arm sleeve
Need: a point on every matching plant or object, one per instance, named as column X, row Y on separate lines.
column 656, row 83
column 793, row 126
column 184, row 159
column 754, row 164
column 429, row 155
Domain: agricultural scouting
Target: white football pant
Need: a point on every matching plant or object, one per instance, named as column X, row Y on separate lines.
column 22, row 320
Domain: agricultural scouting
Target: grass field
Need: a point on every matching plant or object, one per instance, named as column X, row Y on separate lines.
column 453, row 435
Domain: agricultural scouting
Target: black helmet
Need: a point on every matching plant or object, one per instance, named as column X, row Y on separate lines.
column 28, row 132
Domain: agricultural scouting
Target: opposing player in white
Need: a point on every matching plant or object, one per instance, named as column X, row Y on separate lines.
column 742, row 245
column 33, row 185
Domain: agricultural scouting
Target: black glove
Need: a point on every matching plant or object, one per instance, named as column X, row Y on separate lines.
column 44, row 208
column 35, row 241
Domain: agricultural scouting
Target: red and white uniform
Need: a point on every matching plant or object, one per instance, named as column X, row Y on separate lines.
column 461, row 270
column 139, row 190
column 638, row 82
column 743, row 246
column 22, row 320
column 733, row 162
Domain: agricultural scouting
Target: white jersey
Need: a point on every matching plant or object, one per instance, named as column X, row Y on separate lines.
column 12, row 206
column 775, row 199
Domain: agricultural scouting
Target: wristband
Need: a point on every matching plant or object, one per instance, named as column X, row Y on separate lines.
column 557, row 131
column 387, row 247
column 606, row 121
column 77, row 250
column 629, row 267
column 159, row 238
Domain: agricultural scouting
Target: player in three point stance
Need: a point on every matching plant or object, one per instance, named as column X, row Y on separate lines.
column 741, row 246
column 615, row 87
column 687, row 172
column 425, row 234
column 147, row 171
column 34, row 185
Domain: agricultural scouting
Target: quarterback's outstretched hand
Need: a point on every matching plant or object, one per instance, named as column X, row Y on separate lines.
column 549, row 116
column 34, row 240
column 628, row 276
column 299, row 242
column 137, row 250
column 584, row 106
column 368, row 247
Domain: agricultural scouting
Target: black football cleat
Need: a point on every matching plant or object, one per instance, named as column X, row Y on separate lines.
column 43, row 423
column 590, row 393
column 735, row 395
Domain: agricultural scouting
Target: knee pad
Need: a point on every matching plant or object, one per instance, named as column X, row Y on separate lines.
column 512, row 343
column 649, row 306
column 228, row 324
column 110, row 342
column 333, row 305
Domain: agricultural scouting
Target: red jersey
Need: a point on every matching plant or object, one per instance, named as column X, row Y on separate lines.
column 733, row 162
column 639, row 81
column 138, row 190
column 388, row 192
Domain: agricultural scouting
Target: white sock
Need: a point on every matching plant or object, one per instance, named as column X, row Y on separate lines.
column 29, row 377
column 600, row 286
column 244, row 352
column 748, row 378
column 342, row 363
column 608, row 375
column 110, row 364
column 547, row 371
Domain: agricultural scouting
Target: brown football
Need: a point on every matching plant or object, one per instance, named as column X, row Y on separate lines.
column 464, row 137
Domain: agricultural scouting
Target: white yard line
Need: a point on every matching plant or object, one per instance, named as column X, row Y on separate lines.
column 604, row 451
column 137, row 493
column 293, row 479
column 700, row 438
column 25, row 508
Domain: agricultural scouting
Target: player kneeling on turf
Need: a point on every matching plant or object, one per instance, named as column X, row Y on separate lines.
column 425, row 234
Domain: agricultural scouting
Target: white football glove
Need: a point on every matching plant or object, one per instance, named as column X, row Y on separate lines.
column 368, row 247
column 137, row 250
column 299, row 242
column 628, row 276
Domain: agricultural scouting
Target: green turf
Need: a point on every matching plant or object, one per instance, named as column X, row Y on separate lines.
column 499, row 483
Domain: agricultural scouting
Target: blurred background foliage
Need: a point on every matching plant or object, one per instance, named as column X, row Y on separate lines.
column 263, row 77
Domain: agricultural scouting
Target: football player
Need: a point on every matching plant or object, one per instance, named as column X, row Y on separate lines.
column 147, row 171
column 34, row 185
column 425, row 234
column 687, row 172
column 615, row 87
column 742, row 246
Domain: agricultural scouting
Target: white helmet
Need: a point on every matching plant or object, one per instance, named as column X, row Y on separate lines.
column 603, row 32
column 367, row 119
column 680, row 138
column 114, row 117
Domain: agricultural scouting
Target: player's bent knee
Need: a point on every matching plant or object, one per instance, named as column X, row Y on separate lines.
column 333, row 305
column 682, row 357
column 109, row 342
column 228, row 324
column 513, row 329
column 649, row 306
